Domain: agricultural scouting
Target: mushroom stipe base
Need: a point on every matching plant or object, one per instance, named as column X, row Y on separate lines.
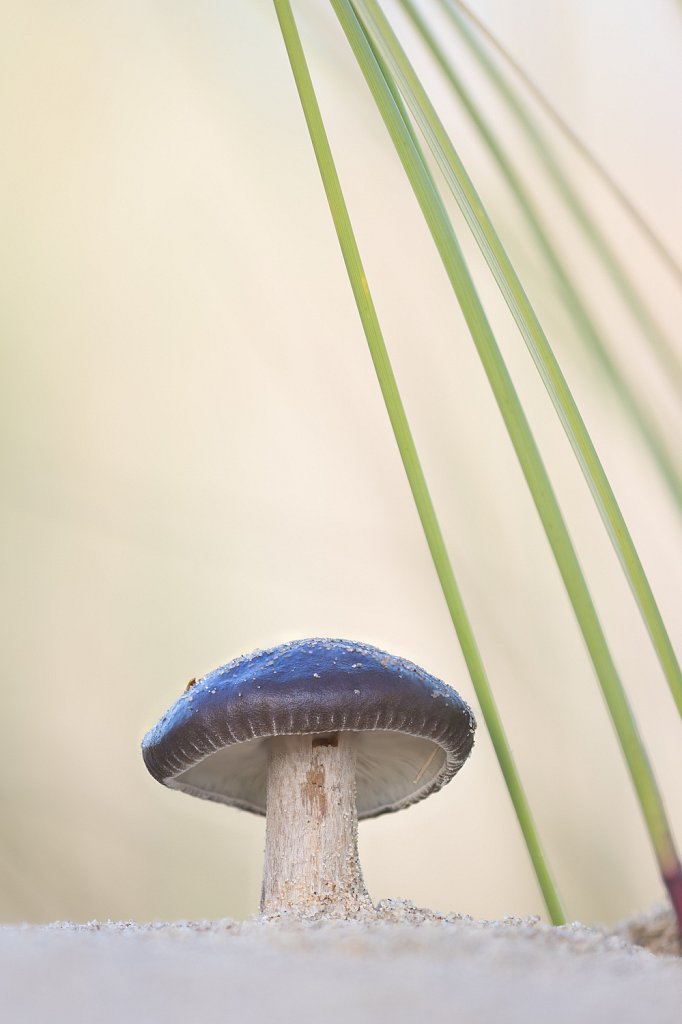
column 311, row 855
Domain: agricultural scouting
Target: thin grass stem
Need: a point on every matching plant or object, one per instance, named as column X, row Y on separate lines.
column 582, row 317
column 564, row 127
column 626, row 287
column 410, row 458
column 552, row 375
column 377, row 28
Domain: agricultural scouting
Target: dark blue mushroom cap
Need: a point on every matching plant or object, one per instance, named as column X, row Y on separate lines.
column 413, row 733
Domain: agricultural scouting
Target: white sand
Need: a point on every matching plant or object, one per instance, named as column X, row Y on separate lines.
column 402, row 966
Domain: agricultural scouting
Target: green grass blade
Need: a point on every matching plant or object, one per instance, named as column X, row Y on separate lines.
column 576, row 306
column 515, row 421
column 556, row 383
column 410, row 457
column 627, row 288
column 555, row 117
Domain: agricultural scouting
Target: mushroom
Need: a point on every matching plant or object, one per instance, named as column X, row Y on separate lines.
column 315, row 734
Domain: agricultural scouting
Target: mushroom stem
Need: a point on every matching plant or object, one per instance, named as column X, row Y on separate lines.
column 311, row 854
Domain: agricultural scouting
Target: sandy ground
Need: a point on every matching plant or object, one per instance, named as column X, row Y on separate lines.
column 398, row 966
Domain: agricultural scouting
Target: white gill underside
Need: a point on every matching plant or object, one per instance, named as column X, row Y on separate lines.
column 390, row 767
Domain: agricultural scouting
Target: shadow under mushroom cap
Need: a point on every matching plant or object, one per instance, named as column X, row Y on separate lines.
column 413, row 733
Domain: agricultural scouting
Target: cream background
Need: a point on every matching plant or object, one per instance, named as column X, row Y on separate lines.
column 197, row 462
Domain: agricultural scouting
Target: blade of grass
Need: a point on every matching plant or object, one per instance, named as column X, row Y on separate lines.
column 556, row 384
column 626, row 287
column 410, row 458
column 564, row 127
column 436, row 216
column 576, row 306
column 543, row 356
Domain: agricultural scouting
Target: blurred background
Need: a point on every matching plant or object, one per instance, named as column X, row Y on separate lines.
column 196, row 460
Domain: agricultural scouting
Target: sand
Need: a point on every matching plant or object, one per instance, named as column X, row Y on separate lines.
column 398, row 965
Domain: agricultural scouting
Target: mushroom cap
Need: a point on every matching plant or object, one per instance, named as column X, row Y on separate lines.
column 413, row 733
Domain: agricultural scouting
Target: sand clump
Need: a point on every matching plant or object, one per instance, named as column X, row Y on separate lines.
column 395, row 962
column 655, row 931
